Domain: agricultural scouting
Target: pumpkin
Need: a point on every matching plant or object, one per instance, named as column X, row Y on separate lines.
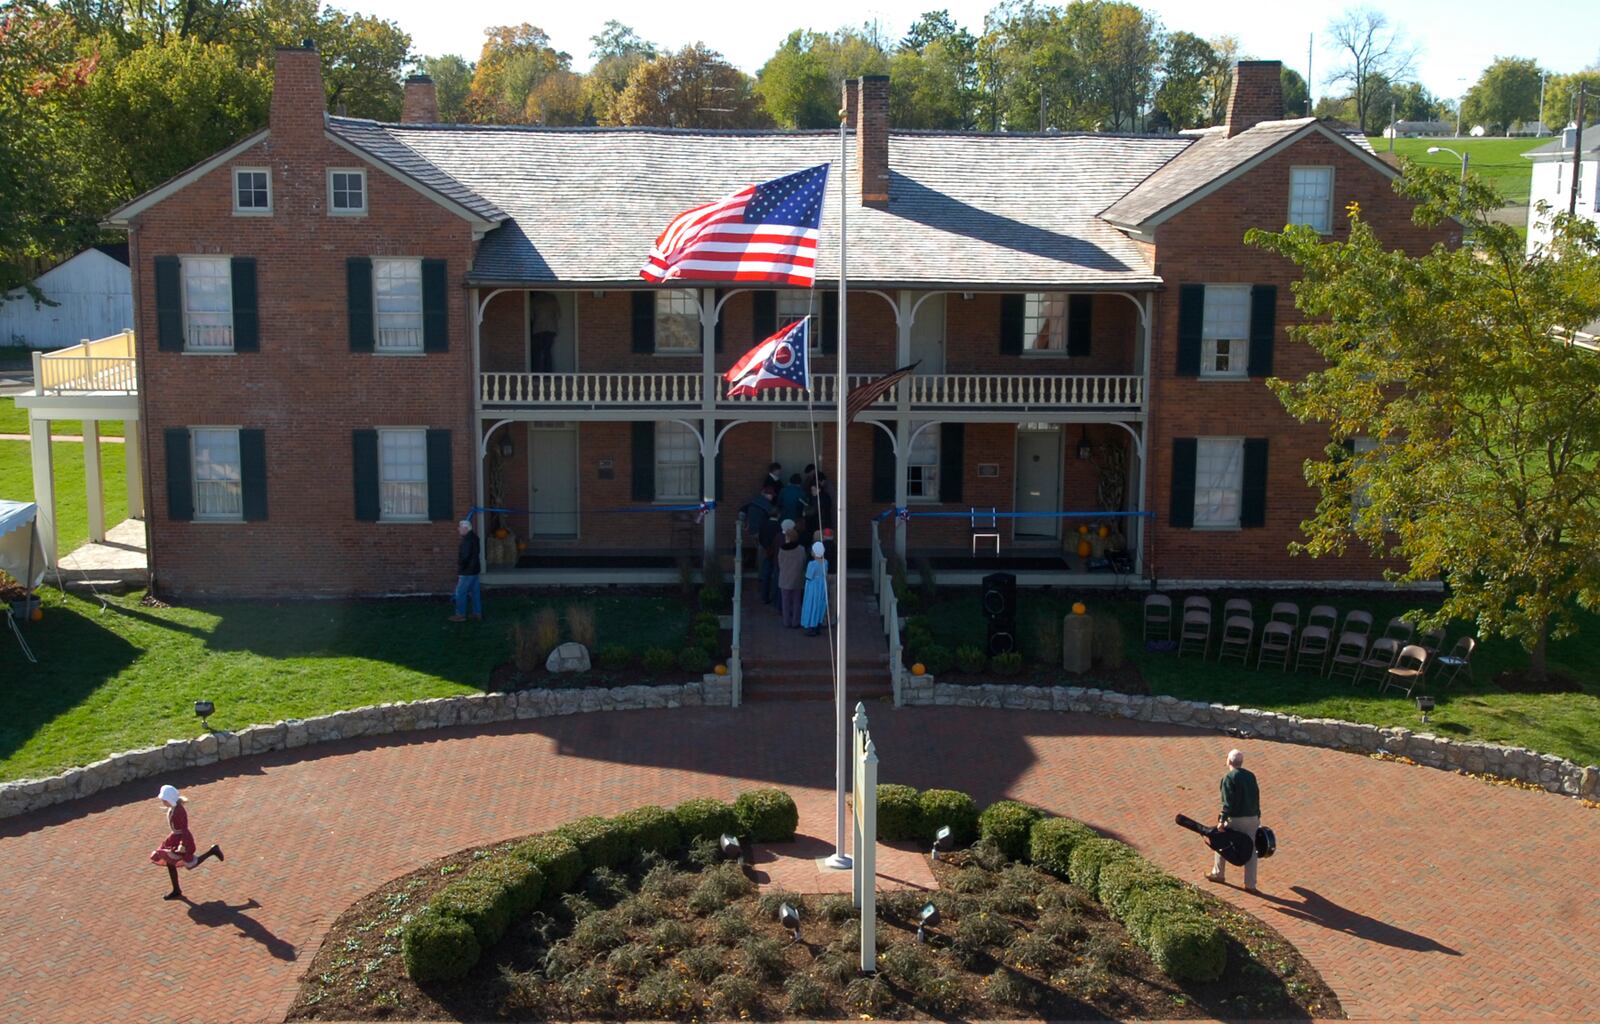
column 1105, row 531
column 1078, row 608
column 1083, row 529
column 502, row 533
column 721, row 670
column 37, row 615
column 522, row 545
column 1084, row 547
column 919, row 669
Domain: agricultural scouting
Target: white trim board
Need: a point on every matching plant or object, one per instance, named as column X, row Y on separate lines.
column 479, row 225
column 120, row 217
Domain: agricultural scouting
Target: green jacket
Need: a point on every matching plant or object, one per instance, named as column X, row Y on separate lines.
column 1240, row 797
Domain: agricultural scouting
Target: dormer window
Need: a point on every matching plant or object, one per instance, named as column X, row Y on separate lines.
column 252, row 191
column 347, row 192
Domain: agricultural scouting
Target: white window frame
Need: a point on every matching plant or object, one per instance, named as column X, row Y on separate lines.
column 360, row 211
column 216, row 484
column 922, row 465
column 1300, row 203
column 1217, row 342
column 252, row 211
column 799, row 307
column 1211, row 495
column 403, row 323
column 665, row 300
column 392, row 478
column 1037, row 319
column 218, row 322
column 684, row 466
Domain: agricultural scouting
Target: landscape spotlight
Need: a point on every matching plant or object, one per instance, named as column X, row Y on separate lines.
column 204, row 708
column 1425, row 704
column 730, row 848
column 942, row 840
column 789, row 917
column 927, row 917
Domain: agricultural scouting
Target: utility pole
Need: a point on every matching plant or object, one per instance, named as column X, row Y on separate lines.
column 1393, row 130
column 1542, row 75
column 1577, row 157
column 1311, row 39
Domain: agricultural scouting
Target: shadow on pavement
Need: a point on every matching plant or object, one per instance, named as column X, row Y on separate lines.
column 1317, row 909
column 215, row 913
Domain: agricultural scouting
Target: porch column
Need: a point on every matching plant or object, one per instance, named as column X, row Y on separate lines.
column 709, row 313
column 904, row 318
column 131, row 469
column 474, row 366
column 44, row 486
column 1142, row 523
column 92, row 481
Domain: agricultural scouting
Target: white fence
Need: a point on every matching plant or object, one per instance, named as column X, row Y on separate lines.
column 864, row 837
column 106, row 364
column 889, row 612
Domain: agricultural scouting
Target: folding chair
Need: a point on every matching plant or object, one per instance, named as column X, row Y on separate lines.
column 1314, row 646
column 1407, row 670
column 1195, row 603
column 985, row 525
column 1348, row 654
column 1358, row 622
column 1196, row 631
column 1158, row 616
column 1276, row 641
column 1431, row 641
column 1459, row 660
column 1379, row 659
column 1286, row 611
column 1237, row 606
column 1324, row 615
column 1399, row 629
column 1238, row 633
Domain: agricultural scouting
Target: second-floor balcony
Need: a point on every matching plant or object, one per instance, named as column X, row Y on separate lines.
column 106, row 366
column 988, row 391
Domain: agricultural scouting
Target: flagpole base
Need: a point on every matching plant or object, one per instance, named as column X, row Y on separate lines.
column 838, row 862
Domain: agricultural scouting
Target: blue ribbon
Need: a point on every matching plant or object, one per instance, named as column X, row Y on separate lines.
column 904, row 514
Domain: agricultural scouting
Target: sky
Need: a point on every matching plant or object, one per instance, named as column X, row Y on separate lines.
column 1458, row 38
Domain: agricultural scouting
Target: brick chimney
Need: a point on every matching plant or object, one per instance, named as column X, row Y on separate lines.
column 298, row 101
column 872, row 140
column 421, row 103
column 1257, row 95
column 847, row 106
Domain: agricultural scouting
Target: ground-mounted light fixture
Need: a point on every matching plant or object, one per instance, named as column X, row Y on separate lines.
column 942, row 840
column 204, row 709
column 789, row 917
column 1425, row 704
column 927, row 917
column 731, row 850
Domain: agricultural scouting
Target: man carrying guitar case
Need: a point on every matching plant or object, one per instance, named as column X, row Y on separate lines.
column 1241, row 812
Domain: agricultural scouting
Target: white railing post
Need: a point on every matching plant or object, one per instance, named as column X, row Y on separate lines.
column 866, row 852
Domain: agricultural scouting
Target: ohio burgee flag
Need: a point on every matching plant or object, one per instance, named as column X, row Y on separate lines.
column 778, row 362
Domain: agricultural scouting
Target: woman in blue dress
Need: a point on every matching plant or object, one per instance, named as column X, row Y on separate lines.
column 815, row 607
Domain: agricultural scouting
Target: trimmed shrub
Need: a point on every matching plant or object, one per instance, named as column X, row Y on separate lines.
column 615, row 657
column 712, row 598
column 899, row 813
column 806, row 996
column 601, row 841
column 694, row 660
column 1008, row 825
column 705, row 619
column 659, row 659
column 482, row 903
column 942, row 807
column 1089, row 856
column 1146, row 907
column 651, row 829
column 705, row 818
column 523, row 883
column 971, row 659
column 936, row 657
column 438, row 946
column 1120, row 880
column 558, row 859
column 1051, row 840
column 767, row 815
column 1007, row 664
column 733, row 997
column 1188, row 948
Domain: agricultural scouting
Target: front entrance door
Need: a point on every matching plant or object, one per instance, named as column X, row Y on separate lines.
column 927, row 333
column 1038, row 481
column 794, row 449
column 553, row 479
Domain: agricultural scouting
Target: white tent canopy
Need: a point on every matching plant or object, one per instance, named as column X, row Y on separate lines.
column 20, row 553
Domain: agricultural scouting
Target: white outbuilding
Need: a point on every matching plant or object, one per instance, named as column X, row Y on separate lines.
column 93, row 298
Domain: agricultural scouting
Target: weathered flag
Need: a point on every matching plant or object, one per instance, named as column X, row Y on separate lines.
column 765, row 232
column 778, row 362
column 864, row 395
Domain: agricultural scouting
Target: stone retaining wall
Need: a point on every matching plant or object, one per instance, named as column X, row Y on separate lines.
column 1555, row 774
column 436, row 713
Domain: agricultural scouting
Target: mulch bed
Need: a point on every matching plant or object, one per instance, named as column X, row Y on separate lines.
column 690, row 941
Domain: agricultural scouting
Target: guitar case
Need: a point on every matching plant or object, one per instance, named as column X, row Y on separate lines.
column 1234, row 847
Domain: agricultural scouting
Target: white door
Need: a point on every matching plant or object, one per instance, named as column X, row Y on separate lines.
column 1038, row 481
column 553, row 479
column 927, row 333
column 794, row 448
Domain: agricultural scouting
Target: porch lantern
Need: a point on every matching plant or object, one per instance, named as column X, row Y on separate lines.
column 506, row 449
column 1084, row 450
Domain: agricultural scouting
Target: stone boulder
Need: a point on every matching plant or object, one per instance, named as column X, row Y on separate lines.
column 569, row 657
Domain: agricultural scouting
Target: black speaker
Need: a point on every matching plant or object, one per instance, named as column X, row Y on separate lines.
column 1001, row 640
column 999, row 601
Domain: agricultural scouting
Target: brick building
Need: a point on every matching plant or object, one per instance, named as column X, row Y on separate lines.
column 350, row 333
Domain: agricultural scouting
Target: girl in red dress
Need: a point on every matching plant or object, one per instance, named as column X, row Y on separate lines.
column 178, row 847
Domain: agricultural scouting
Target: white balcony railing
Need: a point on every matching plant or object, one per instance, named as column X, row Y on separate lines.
column 1027, row 391
column 104, row 365
column 591, row 389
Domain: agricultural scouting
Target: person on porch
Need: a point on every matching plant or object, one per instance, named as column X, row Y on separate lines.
column 814, row 610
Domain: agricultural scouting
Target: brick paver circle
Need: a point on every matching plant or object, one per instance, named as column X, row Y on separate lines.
column 1416, row 893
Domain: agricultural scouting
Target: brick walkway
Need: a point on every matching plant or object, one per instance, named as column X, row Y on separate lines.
column 1417, row 894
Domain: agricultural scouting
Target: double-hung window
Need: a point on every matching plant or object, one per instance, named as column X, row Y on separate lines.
column 794, row 306
column 403, row 474
column 922, row 464
column 207, row 304
column 347, row 192
column 1218, row 482
column 1225, row 331
column 677, row 463
column 1044, row 322
column 252, row 190
column 397, row 303
column 678, row 320
column 1311, row 197
column 218, row 477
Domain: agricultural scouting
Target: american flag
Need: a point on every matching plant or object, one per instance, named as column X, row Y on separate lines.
column 778, row 362
column 863, row 395
column 765, row 232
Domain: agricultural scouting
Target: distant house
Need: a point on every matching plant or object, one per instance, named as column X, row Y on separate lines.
column 1528, row 129
column 1552, row 181
column 93, row 296
column 1419, row 130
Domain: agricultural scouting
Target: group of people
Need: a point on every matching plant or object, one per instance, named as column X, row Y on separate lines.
column 793, row 526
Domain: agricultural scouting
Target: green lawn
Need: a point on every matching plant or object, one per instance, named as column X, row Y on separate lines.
column 128, row 676
column 15, row 421
column 1567, row 724
column 1498, row 161
column 72, row 502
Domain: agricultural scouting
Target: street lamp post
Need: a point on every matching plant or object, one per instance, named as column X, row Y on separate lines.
column 1460, row 156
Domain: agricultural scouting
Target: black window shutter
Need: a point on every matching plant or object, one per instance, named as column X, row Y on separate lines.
column 365, row 452
column 1080, row 324
column 951, row 460
column 253, row 474
column 1191, row 321
column 1263, row 323
column 883, row 467
column 435, row 306
column 829, row 328
column 1012, row 309
column 1253, row 500
column 1184, row 452
column 169, row 305
column 644, row 460
column 180, row 475
column 716, row 332
column 246, row 320
column 716, row 477
column 358, row 282
column 441, row 499
column 764, row 305
column 644, row 321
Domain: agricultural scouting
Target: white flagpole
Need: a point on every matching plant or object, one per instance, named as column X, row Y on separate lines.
column 840, row 859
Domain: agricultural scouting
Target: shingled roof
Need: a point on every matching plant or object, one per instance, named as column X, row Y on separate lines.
column 980, row 210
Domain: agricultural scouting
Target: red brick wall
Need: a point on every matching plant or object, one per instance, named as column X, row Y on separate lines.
column 503, row 334
column 972, row 339
column 1202, row 245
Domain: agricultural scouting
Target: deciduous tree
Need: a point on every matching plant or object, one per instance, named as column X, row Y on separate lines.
column 515, row 59
column 1368, row 46
column 692, row 88
column 1182, row 101
column 1506, row 93
column 452, row 80
column 1561, row 98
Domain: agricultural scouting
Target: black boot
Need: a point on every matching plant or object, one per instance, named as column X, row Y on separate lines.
column 215, row 851
column 176, row 893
